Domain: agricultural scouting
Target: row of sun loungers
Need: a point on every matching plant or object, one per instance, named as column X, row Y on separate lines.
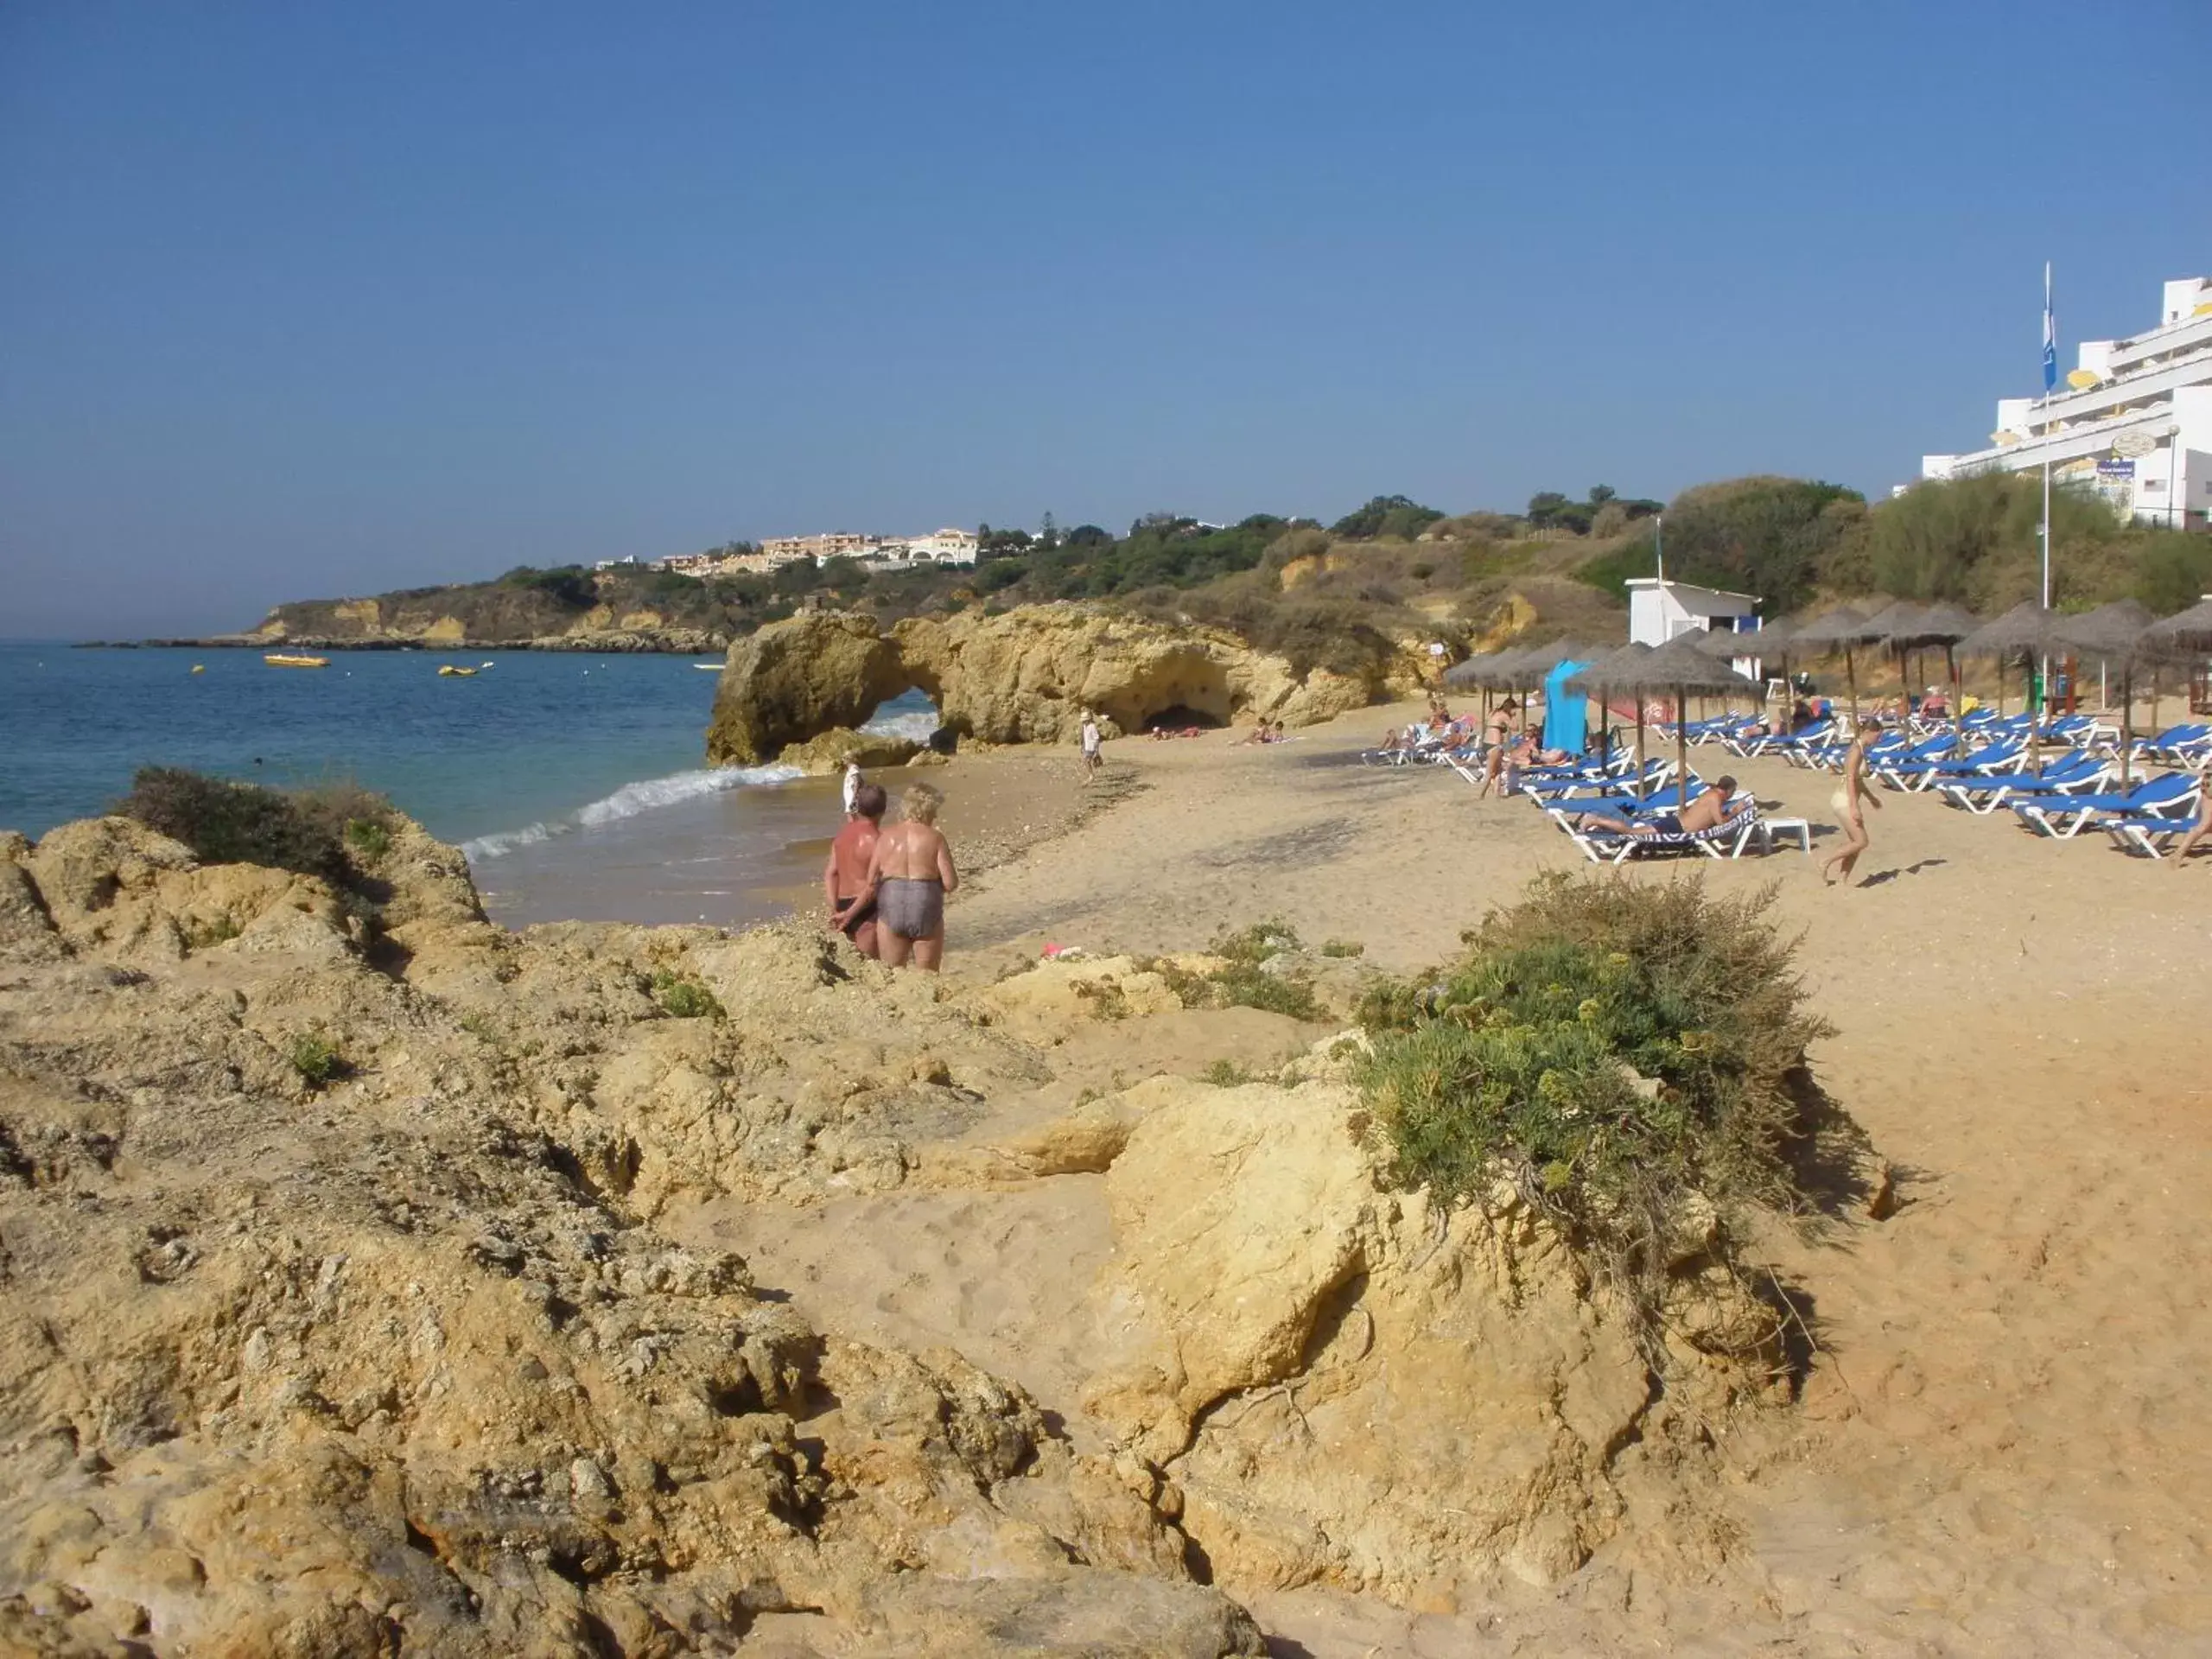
column 1984, row 765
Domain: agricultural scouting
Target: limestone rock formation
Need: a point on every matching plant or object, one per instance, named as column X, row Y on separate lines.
column 1334, row 1382
column 347, row 1306
column 1022, row 676
column 795, row 679
column 385, row 1357
column 830, row 754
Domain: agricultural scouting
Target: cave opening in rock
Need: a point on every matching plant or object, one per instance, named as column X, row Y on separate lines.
column 1181, row 690
column 1181, row 716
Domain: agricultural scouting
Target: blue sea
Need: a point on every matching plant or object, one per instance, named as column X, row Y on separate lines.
column 577, row 785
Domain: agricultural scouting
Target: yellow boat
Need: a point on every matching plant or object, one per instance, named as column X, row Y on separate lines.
column 287, row 659
column 457, row 673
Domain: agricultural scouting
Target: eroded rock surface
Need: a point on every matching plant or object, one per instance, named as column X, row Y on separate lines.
column 391, row 1360
column 1334, row 1383
column 795, row 679
column 1025, row 676
column 344, row 1308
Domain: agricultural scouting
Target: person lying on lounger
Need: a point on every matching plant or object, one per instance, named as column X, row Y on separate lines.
column 1708, row 811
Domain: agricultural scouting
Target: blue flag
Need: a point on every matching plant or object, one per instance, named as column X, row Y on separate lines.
column 2050, row 336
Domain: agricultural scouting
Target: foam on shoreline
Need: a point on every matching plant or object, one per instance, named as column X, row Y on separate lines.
column 646, row 795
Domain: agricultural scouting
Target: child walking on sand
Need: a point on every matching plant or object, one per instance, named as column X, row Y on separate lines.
column 1850, row 801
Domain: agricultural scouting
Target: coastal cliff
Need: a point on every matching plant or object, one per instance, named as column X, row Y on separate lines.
column 1026, row 676
column 621, row 611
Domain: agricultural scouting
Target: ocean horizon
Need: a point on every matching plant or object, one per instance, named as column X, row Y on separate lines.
column 575, row 783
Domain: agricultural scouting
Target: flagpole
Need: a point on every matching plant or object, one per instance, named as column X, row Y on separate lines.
column 2050, row 380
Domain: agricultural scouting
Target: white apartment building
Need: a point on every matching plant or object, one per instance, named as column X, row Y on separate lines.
column 946, row 546
column 832, row 545
column 2133, row 421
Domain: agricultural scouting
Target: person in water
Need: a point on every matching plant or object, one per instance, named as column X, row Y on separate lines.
column 844, row 877
column 1850, row 801
column 908, row 878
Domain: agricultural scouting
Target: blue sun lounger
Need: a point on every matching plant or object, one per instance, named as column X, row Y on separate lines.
column 2145, row 832
column 1983, row 763
column 2181, row 745
column 2063, row 818
column 1726, row 839
column 2077, row 774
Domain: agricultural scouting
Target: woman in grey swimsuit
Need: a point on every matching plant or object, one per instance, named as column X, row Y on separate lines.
column 908, row 877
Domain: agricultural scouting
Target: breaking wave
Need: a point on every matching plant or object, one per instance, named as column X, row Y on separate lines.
column 915, row 727
column 645, row 795
column 901, row 717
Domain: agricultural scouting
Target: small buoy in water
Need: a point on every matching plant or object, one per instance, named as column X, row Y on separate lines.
column 199, row 668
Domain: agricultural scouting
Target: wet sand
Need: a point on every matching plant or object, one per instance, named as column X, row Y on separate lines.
column 754, row 853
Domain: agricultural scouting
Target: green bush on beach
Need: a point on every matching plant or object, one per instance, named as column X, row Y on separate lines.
column 1243, row 980
column 317, row 1059
column 305, row 831
column 1617, row 1052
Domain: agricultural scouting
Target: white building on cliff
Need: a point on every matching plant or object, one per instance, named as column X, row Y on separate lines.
column 2133, row 421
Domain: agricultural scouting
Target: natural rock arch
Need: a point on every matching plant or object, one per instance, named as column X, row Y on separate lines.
column 1025, row 676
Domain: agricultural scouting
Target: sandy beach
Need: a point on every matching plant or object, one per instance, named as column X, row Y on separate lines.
column 1999, row 1449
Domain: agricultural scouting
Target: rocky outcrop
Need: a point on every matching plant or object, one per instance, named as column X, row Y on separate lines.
column 369, row 1347
column 830, row 752
column 1330, row 1382
column 796, row 679
column 347, row 1303
column 1025, row 676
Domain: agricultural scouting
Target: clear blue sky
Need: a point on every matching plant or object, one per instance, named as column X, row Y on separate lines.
column 307, row 299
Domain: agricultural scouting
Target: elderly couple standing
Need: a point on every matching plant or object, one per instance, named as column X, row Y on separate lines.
column 887, row 887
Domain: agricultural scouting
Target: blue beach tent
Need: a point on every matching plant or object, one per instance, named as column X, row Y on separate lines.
column 1565, row 716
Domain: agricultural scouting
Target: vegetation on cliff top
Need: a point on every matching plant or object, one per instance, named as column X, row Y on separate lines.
column 1619, row 1053
column 1391, row 569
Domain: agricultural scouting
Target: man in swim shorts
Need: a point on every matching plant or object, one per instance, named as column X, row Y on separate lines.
column 844, row 877
column 909, row 877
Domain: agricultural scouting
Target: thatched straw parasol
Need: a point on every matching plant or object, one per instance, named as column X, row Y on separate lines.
column 1887, row 627
column 1943, row 624
column 1677, row 666
column 1595, row 679
column 2183, row 638
column 2022, row 631
column 1839, row 627
column 2112, row 633
column 1466, row 675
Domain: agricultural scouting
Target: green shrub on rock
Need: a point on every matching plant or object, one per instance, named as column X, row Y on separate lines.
column 682, row 997
column 225, row 823
column 1251, row 976
column 317, row 1059
column 1617, row 1052
column 307, row 831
